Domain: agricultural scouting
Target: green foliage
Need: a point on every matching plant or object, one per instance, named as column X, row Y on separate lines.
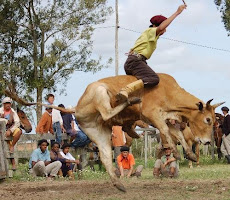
column 44, row 41
column 224, row 6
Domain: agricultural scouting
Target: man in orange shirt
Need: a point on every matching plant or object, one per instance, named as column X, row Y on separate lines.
column 126, row 164
column 118, row 140
column 45, row 123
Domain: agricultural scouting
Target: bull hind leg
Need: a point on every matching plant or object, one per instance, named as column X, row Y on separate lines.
column 103, row 105
column 102, row 138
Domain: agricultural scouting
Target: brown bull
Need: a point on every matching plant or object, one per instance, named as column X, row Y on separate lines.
column 97, row 111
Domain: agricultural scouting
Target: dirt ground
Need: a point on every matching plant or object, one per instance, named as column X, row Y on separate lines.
column 139, row 189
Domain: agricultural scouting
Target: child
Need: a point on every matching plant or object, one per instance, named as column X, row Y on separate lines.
column 67, row 168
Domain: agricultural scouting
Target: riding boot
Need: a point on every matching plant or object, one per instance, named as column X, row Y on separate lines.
column 156, row 172
column 71, row 175
column 228, row 158
column 124, row 93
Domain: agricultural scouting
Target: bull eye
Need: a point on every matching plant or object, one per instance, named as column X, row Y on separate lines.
column 208, row 120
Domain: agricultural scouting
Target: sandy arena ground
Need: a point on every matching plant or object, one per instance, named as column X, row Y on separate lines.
column 137, row 189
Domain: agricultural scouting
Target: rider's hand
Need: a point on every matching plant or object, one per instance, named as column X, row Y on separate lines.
column 181, row 8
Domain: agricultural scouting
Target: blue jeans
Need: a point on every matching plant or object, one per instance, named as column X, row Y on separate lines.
column 81, row 140
column 57, row 131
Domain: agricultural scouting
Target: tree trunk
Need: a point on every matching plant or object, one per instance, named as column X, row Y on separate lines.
column 39, row 107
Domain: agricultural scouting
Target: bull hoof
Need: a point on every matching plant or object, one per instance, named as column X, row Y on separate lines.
column 120, row 187
column 192, row 157
column 134, row 100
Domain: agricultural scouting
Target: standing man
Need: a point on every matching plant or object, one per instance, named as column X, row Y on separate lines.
column 225, row 146
column 126, row 164
column 45, row 123
column 118, row 140
column 144, row 46
column 12, row 126
column 56, row 120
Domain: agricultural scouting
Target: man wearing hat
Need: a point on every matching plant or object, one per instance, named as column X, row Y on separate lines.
column 126, row 164
column 12, row 126
column 40, row 161
column 225, row 146
column 167, row 165
column 45, row 123
column 144, row 46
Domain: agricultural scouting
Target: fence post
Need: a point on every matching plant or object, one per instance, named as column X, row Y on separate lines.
column 146, row 148
column 3, row 161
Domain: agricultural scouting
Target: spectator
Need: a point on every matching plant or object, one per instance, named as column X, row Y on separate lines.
column 56, row 120
column 78, row 137
column 118, row 140
column 126, row 164
column 40, row 162
column 45, row 123
column 68, row 123
column 167, row 165
column 225, row 146
column 67, row 168
column 12, row 126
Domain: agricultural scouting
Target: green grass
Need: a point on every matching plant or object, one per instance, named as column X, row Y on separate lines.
column 209, row 169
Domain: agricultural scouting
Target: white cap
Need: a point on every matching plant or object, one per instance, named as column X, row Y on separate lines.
column 7, row 100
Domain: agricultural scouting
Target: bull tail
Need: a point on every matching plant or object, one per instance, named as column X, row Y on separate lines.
column 71, row 111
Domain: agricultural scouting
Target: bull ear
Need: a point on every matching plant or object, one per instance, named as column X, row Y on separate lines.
column 217, row 105
column 208, row 104
column 200, row 106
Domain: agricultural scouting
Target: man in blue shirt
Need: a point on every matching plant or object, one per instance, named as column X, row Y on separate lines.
column 40, row 162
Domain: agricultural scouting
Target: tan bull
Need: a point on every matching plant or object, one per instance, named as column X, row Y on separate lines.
column 97, row 111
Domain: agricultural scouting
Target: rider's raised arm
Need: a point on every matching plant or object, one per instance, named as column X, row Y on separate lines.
column 168, row 21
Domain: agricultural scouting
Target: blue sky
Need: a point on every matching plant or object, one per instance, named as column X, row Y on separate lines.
column 203, row 72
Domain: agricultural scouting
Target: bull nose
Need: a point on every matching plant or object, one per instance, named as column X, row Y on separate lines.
column 207, row 143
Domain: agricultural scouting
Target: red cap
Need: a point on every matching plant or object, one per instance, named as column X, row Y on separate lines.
column 157, row 20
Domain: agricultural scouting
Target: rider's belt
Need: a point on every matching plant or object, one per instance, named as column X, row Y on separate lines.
column 141, row 57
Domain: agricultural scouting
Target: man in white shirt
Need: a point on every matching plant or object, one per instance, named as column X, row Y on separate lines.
column 56, row 120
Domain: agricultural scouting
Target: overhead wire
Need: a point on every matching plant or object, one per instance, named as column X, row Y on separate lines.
column 171, row 39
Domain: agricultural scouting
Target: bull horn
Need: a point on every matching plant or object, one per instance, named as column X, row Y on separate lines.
column 217, row 105
column 208, row 104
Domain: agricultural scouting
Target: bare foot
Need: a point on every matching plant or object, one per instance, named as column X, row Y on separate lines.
column 11, row 149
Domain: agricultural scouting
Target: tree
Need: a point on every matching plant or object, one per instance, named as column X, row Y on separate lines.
column 224, row 6
column 43, row 42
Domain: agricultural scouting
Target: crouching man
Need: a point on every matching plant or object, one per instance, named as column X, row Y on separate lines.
column 166, row 166
column 126, row 164
column 40, row 162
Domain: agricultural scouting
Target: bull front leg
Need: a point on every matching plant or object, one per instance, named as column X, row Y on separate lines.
column 102, row 137
column 164, row 131
column 198, row 154
column 186, row 145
